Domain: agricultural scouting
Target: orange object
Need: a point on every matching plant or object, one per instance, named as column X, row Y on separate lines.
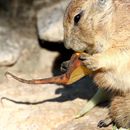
column 75, row 71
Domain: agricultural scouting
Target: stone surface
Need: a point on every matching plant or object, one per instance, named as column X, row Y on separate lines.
column 14, row 38
column 16, row 8
column 50, row 22
column 10, row 46
column 43, row 3
column 88, row 122
column 16, row 16
column 56, row 109
column 52, row 107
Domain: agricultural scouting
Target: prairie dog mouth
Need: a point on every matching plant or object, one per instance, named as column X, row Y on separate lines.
column 76, row 46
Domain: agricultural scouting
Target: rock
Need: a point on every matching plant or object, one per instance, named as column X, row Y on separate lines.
column 16, row 8
column 54, row 106
column 16, row 16
column 15, row 35
column 10, row 46
column 43, row 3
column 50, row 22
column 88, row 122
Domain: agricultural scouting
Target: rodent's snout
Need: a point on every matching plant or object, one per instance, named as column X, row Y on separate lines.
column 75, row 45
column 66, row 45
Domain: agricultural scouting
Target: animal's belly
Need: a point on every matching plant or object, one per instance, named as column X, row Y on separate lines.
column 113, row 80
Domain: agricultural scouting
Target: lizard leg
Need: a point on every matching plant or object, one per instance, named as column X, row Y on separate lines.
column 64, row 66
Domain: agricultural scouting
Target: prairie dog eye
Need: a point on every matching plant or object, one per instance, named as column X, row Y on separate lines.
column 102, row 2
column 77, row 18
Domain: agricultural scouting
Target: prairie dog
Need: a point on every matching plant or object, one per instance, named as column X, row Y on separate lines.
column 102, row 29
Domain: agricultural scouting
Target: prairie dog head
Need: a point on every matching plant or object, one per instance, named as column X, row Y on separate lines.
column 89, row 25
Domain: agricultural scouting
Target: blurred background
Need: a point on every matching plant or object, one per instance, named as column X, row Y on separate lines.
column 31, row 46
column 29, row 24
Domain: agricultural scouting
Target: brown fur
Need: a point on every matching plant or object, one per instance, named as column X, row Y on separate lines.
column 104, row 33
column 120, row 111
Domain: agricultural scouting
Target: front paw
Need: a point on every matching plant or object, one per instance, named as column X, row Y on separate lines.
column 92, row 62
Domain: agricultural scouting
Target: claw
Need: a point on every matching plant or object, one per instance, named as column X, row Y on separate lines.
column 101, row 124
column 104, row 123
